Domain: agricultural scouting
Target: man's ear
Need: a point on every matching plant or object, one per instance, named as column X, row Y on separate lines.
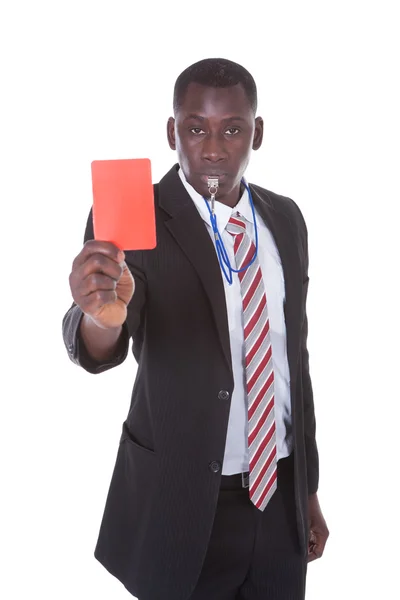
column 258, row 133
column 171, row 133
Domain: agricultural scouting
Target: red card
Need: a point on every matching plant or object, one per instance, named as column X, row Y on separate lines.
column 123, row 203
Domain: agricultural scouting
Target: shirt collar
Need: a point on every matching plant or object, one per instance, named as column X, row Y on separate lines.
column 222, row 211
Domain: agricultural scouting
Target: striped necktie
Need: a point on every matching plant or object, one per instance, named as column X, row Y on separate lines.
column 259, row 369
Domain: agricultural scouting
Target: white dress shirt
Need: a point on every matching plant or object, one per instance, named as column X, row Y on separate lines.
column 236, row 457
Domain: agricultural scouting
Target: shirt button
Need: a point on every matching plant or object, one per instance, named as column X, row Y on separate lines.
column 215, row 466
column 223, row 395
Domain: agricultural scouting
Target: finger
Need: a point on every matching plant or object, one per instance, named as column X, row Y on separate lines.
column 108, row 249
column 97, row 281
column 313, row 537
column 316, row 551
column 93, row 302
column 321, row 538
column 98, row 263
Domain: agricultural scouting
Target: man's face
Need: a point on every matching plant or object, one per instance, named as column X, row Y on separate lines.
column 213, row 132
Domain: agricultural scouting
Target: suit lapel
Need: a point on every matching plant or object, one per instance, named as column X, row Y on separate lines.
column 284, row 233
column 189, row 231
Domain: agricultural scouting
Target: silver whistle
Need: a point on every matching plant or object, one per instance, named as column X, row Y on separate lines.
column 212, row 183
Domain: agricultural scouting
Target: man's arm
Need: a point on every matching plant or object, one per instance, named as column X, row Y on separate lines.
column 318, row 530
column 307, row 391
column 93, row 347
column 309, row 412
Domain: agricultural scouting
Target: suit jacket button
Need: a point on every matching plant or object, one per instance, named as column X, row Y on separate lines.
column 70, row 348
column 223, row 395
column 215, row 466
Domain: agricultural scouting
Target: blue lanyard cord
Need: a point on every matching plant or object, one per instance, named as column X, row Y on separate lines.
column 220, row 247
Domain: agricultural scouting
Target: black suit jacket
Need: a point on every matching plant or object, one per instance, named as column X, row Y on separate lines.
column 164, row 489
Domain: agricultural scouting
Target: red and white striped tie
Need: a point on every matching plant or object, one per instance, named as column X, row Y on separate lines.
column 259, row 369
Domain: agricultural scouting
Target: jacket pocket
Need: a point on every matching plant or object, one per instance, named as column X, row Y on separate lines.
column 128, row 438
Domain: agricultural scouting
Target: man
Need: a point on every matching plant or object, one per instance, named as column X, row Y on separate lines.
column 214, row 490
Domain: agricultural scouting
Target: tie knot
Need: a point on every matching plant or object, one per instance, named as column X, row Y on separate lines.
column 236, row 224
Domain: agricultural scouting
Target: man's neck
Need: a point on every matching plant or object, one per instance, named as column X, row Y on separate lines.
column 233, row 197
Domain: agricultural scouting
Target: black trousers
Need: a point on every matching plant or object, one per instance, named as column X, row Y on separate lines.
column 254, row 555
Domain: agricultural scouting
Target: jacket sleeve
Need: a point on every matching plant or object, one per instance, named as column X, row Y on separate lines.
column 307, row 391
column 72, row 318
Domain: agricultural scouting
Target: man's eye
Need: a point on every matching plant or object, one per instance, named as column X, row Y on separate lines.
column 196, row 130
column 232, row 131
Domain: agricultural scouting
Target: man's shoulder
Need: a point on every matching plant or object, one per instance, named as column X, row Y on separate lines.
column 279, row 203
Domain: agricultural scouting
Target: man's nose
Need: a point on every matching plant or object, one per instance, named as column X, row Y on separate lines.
column 213, row 148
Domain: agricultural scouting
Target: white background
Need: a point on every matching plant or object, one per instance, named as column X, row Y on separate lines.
column 84, row 80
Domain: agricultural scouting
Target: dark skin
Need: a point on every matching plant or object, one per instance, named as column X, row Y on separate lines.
column 319, row 532
column 214, row 132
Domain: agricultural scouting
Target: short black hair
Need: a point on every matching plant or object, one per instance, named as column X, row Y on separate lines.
column 215, row 72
